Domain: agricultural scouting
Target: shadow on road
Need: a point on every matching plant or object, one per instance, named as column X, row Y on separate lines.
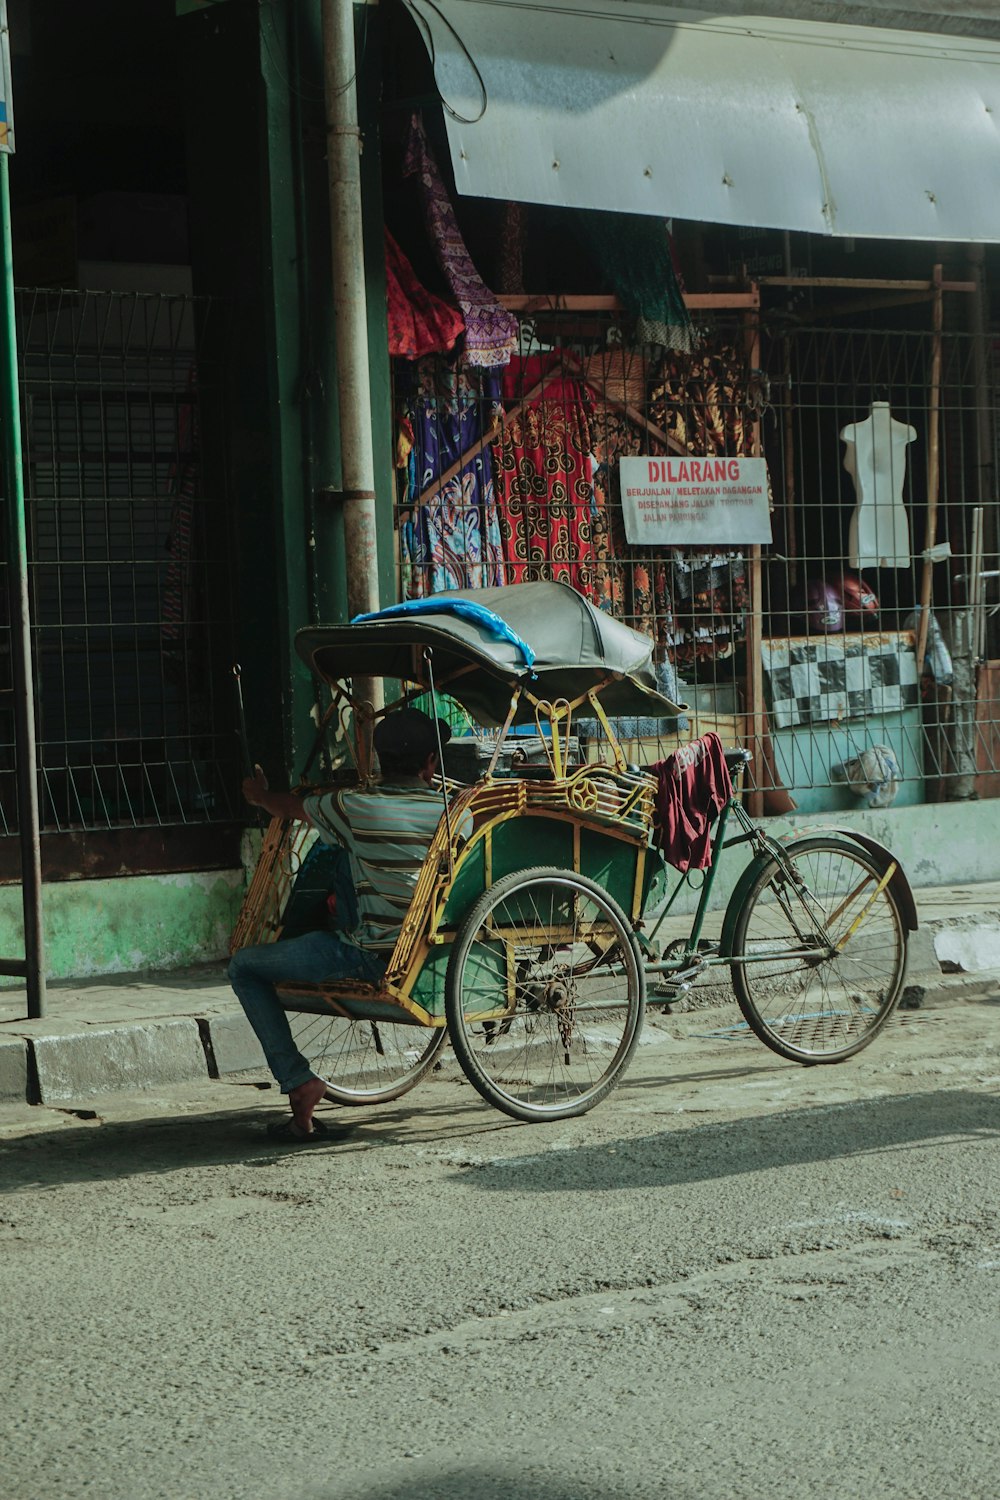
column 696, row 1153
column 463, row 1484
column 703, row 1153
column 105, row 1151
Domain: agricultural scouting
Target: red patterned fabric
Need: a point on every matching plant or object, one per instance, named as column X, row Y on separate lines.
column 693, row 786
column 419, row 322
column 550, row 518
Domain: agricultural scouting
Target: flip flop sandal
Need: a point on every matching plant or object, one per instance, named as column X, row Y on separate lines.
column 291, row 1134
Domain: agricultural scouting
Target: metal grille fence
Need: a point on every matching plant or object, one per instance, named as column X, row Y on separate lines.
column 506, row 480
column 128, row 570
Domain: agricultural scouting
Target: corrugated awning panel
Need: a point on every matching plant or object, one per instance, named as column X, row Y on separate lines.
column 845, row 130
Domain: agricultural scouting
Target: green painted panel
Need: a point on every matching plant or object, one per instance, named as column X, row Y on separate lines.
column 806, row 755
column 485, row 979
column 470, row 882
column 522, row 843
column 610, row 862
column 656, row 880
column 429, row 988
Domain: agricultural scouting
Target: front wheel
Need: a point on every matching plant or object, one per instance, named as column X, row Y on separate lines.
column 545, row 994
column 819, row 951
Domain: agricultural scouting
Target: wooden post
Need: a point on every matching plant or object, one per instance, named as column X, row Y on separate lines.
column 791, row 526
column 755, row 617
column 933, row 469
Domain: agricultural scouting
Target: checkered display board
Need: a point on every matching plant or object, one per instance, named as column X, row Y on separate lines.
column 812, row 680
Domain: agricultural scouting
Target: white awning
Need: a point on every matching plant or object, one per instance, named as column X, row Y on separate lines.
column 611, row 104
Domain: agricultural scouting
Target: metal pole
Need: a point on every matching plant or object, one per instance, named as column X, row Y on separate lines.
column 357, row 464
column 20, row 628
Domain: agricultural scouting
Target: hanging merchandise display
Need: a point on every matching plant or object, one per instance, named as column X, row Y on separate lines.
column 551, row 516
column 637, row 578
column 634, row 253
column 490, row 331
column 875, row 458
column 701, row 402
column 419, row 322
column 710, row 597
column 449, row 531
column 511, row 274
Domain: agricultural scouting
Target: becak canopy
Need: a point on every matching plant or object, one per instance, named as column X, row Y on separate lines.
column 544, row 637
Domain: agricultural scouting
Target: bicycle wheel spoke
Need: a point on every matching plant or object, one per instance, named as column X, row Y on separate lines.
column 837, row 984
column 365, row 1062
column 541, row 1022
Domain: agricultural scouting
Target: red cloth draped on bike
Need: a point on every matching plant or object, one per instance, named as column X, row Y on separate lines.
column 692, row 788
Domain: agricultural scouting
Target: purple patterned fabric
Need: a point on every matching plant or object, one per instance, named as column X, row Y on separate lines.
column 491, row 332
column 452, row 541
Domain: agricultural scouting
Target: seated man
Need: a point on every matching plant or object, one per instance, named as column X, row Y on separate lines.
column 386, row 830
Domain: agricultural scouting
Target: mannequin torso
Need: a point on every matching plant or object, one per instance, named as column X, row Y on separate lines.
column 875, row 458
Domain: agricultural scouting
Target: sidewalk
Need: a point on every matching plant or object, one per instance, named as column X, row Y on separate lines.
column 134, row 1032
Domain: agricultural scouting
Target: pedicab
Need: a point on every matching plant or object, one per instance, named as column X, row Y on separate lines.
column 530, row 935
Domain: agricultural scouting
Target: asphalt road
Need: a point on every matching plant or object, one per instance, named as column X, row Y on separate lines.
column 735, row 1278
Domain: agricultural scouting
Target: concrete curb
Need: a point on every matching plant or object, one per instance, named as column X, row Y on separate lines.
column 59, row 1061
column 13, row 1070
column 78, row 1061
column 930, row 991
column 231, row 1045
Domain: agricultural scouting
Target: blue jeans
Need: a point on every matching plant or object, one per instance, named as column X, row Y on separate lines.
column 253, row 973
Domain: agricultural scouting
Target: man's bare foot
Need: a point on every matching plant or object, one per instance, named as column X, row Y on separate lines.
column 304, row 1100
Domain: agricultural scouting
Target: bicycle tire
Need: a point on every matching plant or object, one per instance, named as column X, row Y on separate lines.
column 544, row 994
column 818, row 1006
column 365, row 1062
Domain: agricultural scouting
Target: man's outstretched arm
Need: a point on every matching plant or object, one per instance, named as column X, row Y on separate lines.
column 277, row 804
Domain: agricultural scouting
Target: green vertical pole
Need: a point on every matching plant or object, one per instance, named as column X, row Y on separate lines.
column 33, row 966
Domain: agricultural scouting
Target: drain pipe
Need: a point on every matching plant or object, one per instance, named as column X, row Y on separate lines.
column 357, row 463
column 33, row 966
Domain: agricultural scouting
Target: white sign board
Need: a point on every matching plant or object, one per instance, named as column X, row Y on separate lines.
column 692, row 502
column 6, row 102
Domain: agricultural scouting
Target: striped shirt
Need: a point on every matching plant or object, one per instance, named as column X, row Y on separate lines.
column 386, row 831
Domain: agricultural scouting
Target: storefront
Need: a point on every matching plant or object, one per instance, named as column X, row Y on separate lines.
column 846, row 637
column 181, row 397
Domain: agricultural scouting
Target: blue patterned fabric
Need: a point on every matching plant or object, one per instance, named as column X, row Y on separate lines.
column 452, row 539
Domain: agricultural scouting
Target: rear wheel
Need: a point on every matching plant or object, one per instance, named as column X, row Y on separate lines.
column 819, row 951
column 545, row 994
column 365, row 1062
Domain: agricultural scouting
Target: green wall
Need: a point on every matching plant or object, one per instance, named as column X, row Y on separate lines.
column 130, row 924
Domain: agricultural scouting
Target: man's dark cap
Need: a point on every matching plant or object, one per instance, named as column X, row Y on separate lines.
column 409, row 732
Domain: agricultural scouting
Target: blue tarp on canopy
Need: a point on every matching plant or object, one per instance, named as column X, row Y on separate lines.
column 465, row 608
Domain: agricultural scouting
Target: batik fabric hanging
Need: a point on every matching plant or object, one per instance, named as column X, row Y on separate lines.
column 634, row 252
column 638, row 576
column 449, row 534
column 550, row 516
column 491, row 333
